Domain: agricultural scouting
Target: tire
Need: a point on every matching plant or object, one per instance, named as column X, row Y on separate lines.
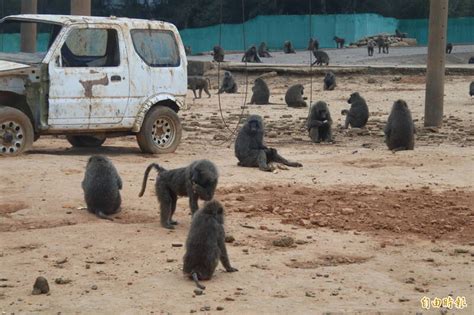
column 86, row 141
column 16, row 131
column 161, row 131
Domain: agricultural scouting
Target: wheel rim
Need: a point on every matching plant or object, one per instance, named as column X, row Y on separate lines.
column 163, row 132
column 12, row 137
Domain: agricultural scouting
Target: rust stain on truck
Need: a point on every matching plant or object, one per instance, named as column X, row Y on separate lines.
column 88, row 84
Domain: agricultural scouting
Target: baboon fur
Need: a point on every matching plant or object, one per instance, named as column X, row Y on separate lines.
column 250, row 149
column 313, row 44
column 288, row 48
column 205, row 244
column 319, row 123
column 400, row 130
column 449, row 48
column 329, row 81
column 228, row 84
column 321, row 57
column 261, row 93
column 199, row 83
column 263, row 50
column 251, row 55
column 358, row 114
column 197, row 181
column 471, row 89
column 102, row 185
column 294, row 96
column 370, row 47
column 339, row 42
column 218, row 53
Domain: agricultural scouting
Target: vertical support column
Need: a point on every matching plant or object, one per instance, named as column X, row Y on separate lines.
column 81, row 7
column 435, row 70
column 28, row 30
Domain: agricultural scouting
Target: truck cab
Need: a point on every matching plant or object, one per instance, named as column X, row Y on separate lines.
column 91, row 78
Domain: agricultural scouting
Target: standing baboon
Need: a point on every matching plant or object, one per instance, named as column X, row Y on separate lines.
column 471, row 89
column 102, row 185
column 188, row 50
column 205, row 244
column 329, row 81
column 358, row 114
column 228, row 84
column 400, row 130
column 263, row 50
column 380, row 42
column 370, row 47
column 261, row 93
column 288, row 48
column 471, row 60
column 218, row 53
column 319, row 123
column 250, row 149
column 294, row 96
column 339, row 42
column 199, row 83
column 449, row 48
column 385, row 47
column 251, row 55
column 313, row 44
column 400, row 34
column 321, row 57
column 197, row 180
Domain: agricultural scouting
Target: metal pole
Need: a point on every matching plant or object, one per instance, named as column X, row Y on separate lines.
column 435, row 67
column 81, row 7
column 28, row 30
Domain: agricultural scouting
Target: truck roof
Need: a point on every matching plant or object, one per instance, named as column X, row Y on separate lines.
column 77, row 19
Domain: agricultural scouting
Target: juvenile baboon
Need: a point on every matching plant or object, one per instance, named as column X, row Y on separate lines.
column 400, row 34
column 319, row 123
column 321, row 57
column 251, row 55
column 102, row 185
column 385, row 46
column 218, row 53
column 294, row 96
column 471, row 60
column 188, row 50
column 370, row 47
column 205, row 244
column 471, row 89
column 228, row 84
column 250, row 149
column 197, row 180
column 358, row 114
column 199, row 83
column 339, row 42
column 449, row 48
column 313, row 44
column 263, row 50
column 380, row 42
column 288, row 48
column 329, row 81
column 261, row 93
column 400, row 130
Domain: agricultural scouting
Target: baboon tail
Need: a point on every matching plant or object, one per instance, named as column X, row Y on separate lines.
column 145, row 177
column 196, row 280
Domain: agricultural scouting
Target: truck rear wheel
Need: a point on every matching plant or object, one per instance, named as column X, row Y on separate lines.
column 86, row 141
column 16, row 131
column 161, row 131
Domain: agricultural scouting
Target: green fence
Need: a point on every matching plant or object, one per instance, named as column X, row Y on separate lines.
column 274, row 30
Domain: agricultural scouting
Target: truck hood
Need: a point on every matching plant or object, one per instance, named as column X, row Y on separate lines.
column 10, row 67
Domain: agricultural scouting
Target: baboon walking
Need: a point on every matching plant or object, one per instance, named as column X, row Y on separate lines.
column 199, row 83
column 339, row 42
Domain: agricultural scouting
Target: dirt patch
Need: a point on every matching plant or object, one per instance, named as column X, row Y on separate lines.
column 447, row 215
column 11, row 207
column 327, row 261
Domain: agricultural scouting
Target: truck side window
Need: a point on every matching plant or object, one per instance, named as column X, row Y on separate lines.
column 88, row 47
column 156, row 48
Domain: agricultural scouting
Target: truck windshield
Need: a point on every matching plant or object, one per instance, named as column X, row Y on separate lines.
column 26, row 42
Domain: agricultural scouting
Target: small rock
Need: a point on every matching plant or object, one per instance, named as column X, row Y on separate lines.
column 410, row 280
column 198, row 291
column 240, row 198
column 169, row 260
column 460, row 251
column 228, row 298
column 219, row 308
column 176, row 245
column 229, row 239
column 335, row 293
column 62, row 281
column 206, row 308
column 41, row 286
column 285, row 241
column 347, row 211
column 310, row 294
column 94, row 287
column 403, row 299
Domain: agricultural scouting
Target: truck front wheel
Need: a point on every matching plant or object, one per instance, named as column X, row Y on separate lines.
column 86, row 141
column 16, row 131
column 161, row 131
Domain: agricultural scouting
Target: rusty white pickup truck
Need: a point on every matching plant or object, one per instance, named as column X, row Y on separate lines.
column 90, row 78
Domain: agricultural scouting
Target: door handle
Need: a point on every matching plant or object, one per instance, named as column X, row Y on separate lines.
column 115, row 78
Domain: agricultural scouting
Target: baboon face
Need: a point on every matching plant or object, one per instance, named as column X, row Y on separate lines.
column 253, row 49
column 203, row 184
column 254, row 125
column 400, row 105
column 323, row 113
column 226, row 74
column 353, row 97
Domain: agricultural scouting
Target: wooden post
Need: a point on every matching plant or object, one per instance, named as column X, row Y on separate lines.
column 81, row 7
column 28, row 30
column 435, row 67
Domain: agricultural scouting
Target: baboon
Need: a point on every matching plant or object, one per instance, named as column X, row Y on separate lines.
column 400, row 130
column 261, row 93
column 288, row 48
column 385, row 47
column 370, row 47
column 218, row 53
column 188, row 50
column 228, row 84
column 321, row 57
column 358, row 114
column 380, row 42
column 102, row 185
column 199, row 83
column 197, row 180
column 263, row 50
column 294, row 96
column 205, row 244
column 329, row 81
column 471, row 89
column 449, row 48
column 250, row 149
column 251, row 55
column 339, row 42
column 400, row 34
column 313, row 44
column 471, row 60
column 319, row 123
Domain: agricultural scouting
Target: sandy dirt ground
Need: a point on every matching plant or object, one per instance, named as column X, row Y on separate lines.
column 373, row 231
